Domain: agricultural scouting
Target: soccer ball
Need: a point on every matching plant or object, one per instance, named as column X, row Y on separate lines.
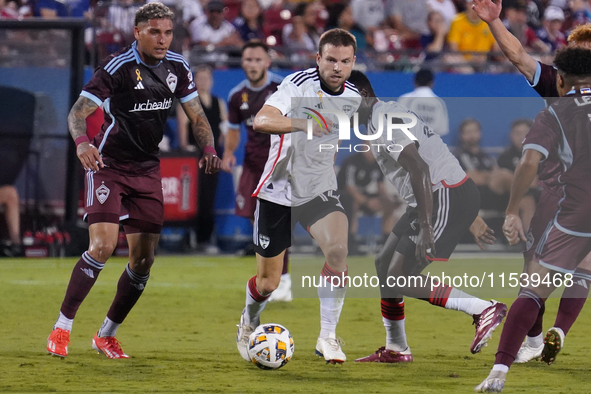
column 270, row 346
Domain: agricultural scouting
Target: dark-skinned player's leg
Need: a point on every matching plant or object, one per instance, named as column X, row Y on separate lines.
column 396, row 349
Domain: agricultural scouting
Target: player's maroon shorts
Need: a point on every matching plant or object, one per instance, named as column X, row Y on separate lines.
column 545, row 212
column 112, row 196
column 245, row 204
column 560, row 251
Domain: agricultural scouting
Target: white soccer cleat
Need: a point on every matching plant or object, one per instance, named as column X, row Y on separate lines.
column 244, row 331
column 494, row 383
column 283, row 292
column 330, row 349
column 528, row 352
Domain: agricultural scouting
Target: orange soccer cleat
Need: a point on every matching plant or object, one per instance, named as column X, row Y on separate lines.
column 57, row 342
column 109, row 346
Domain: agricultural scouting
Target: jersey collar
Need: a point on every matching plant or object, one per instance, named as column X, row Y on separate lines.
column 267, row 82
column 138, row 59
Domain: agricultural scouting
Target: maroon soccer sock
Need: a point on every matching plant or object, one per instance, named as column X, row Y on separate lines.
column 538, row 325
column 573, row 299
column 521, row 316
column 129, row 289
column 285, row 262
column 84, row 274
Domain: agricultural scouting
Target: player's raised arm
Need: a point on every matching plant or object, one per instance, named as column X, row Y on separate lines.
column 420, row 180
column 489, row 11
column 270, row 120
column 87, row 153
column 203, row 135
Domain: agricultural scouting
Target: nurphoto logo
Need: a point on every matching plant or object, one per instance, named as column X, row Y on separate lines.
column 394, row 121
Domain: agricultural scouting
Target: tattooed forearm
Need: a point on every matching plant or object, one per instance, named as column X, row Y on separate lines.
column 82, row 108
column 199, row 124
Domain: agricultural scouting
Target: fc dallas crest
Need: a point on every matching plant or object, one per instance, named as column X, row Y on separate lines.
column 264, row 241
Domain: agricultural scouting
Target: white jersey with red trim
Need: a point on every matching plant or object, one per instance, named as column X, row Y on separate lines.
column 444, row 168
column 300, row 169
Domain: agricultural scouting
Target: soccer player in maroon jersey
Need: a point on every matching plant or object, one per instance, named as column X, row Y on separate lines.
column 563, row 126
column 542, row 77
column 244, row 101
column 136, row 87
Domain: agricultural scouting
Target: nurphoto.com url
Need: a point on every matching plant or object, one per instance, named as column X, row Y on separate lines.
column 502, row 280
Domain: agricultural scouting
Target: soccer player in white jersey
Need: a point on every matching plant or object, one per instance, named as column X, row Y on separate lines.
column 299, row 184
column 443, row 204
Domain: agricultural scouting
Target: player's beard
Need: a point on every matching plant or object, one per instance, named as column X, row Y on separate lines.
column 257, row 79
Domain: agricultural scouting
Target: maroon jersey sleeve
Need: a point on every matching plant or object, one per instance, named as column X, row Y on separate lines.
column 543, row 135
column 545, row 81
column 185, row 87
column 234, row 113
column 101, row 86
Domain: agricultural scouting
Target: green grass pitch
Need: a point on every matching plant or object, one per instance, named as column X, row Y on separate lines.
column 181, row 336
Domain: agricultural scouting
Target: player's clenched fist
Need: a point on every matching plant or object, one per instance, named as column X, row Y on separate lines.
column 211, row 162
column 320, row 129
column 89, row 156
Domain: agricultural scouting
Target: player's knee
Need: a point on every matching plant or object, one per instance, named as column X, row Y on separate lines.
column 268, row 285
column 337, row 253
column 141, row 265
column 101, row 250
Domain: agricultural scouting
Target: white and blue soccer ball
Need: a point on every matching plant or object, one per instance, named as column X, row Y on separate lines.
column 270, row 346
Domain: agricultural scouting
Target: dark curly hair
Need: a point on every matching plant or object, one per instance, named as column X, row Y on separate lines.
column 154, row 10
column 574, row 62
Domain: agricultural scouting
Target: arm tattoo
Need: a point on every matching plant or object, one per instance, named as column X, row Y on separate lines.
column 199, row 124
column 82, row 108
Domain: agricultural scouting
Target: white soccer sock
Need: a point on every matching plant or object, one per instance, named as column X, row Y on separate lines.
column 500, row 368
column 395, row 335
column 460, row 301
column 331, row 305
column 108, row 329
column 535, row 341
column 63, row 322
column 253, row 308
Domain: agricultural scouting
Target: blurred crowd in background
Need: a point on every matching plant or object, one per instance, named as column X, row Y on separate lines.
column 391, row 34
